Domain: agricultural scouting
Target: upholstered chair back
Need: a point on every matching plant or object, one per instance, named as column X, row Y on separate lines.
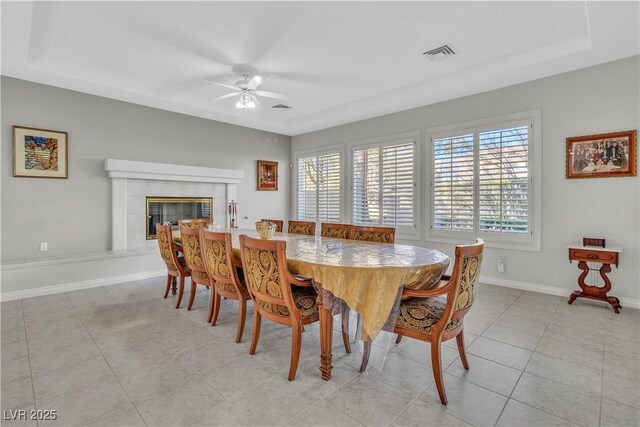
column 193, row 254
column 374, row 234
column 263, row 262
column 165, row 240
column 337, row 231
column 217, row 253
column 466, row 270
column 307, row 228
column 278, row 222
column 195, row 223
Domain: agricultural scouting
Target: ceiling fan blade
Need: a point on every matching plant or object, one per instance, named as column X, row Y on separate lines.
column 222, row 84
column 267, row 94
column 229, row 95
column 255, row 82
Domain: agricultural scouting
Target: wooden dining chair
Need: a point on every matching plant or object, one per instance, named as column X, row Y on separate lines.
column 278, row 222
column 276, row 293
column 193, row 256
column 337, row 231
column 195, row 222
column 373, row 234
column 225, row 270
column 176, row 265
column 307, row 228
column 437, row 314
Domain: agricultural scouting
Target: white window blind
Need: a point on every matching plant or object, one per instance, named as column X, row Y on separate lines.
column 319, row 182
column 504, row 180
column 481, row 182
column 453, row 183
column 383, row 185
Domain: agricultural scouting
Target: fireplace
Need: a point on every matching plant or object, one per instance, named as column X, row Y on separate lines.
column 162, row 210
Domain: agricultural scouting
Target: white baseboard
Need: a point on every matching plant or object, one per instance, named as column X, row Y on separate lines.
column 94, row 283
column 85, row 284
column 544, row 289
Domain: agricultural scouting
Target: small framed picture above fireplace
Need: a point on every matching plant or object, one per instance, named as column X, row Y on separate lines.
column 267, row 175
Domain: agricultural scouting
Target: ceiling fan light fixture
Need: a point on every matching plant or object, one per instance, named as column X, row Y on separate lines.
column 245, row 103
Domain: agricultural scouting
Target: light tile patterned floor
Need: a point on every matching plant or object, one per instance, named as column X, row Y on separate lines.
column 121, row 355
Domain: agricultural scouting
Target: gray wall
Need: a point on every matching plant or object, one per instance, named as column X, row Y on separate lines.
column 73, row 215
column 598, row 99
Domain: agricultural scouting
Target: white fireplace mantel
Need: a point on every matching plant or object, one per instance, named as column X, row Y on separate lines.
column 122, row 170
column 170, row 172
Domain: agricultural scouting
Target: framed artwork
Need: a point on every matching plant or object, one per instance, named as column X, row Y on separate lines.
column 40, row 153
column 602, row 156
column 267, row 175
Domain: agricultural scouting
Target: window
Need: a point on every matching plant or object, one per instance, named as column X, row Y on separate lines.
column 319, row 188
column 383, row 185
column 482, row 183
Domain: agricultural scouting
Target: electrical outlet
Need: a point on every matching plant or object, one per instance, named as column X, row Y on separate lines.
column 500, row 264
column 43, row 246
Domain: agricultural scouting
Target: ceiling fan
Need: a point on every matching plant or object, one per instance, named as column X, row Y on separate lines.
column 247, row 90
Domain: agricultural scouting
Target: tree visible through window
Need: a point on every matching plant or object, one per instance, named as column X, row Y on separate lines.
column 384, row 184
column 319, row 186
column 481, row 181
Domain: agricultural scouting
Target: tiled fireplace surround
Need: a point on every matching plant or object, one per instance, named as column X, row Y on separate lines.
column 132, row 182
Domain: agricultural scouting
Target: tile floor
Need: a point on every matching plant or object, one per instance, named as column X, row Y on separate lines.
column 122, row 356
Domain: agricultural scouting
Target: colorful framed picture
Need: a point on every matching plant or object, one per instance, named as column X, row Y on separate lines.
column 40, row 153
column 267, row 175
column 602, row 156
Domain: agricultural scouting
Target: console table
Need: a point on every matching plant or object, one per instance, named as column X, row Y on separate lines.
column 604, row 256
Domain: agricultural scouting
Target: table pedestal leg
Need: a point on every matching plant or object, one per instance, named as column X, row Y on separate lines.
column 174, row 285
column 594, row 292
column 326, row 336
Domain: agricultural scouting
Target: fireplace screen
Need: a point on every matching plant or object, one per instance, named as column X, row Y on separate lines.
column 161, row 210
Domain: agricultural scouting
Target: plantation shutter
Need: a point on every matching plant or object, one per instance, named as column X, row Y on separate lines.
column 383, row 185
column 318, row 188
column 503, row 184
column 329, row 188
column 453, row 183
column 366, row 186
column 397, row 185
column 307, row 188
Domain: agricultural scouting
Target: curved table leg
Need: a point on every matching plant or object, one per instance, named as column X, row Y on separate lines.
column 326, row 336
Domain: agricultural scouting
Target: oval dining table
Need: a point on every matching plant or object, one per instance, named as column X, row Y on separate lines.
column 368, row 277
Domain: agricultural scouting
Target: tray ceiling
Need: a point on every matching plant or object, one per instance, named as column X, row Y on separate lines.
column 338, row 62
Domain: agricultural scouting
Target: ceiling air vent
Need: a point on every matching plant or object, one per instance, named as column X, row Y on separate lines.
column 281, row 107
column 439, row 52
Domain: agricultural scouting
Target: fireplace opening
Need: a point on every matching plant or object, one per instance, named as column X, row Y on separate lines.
column 162, row 210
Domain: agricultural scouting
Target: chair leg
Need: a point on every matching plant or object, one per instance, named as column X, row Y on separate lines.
column 242, row 316
column 166, row 291
column 436, row 363
column 257, row 321
column 398, row 339
column 180, row 292
column 461, row 350
column 192, row 294
column 296, row 343
column 366, row 351
column 215, row 297
column 345, row 328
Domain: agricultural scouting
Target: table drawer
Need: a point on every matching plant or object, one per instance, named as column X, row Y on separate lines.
column 603, row 257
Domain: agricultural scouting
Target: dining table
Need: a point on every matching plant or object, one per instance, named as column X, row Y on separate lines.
column 366, row 276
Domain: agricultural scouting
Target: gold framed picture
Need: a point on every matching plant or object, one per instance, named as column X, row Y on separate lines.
column 603, row 155
column 40, row 153
column 267, row 175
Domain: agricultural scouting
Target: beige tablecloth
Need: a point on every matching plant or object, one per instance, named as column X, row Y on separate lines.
column 366, row 276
